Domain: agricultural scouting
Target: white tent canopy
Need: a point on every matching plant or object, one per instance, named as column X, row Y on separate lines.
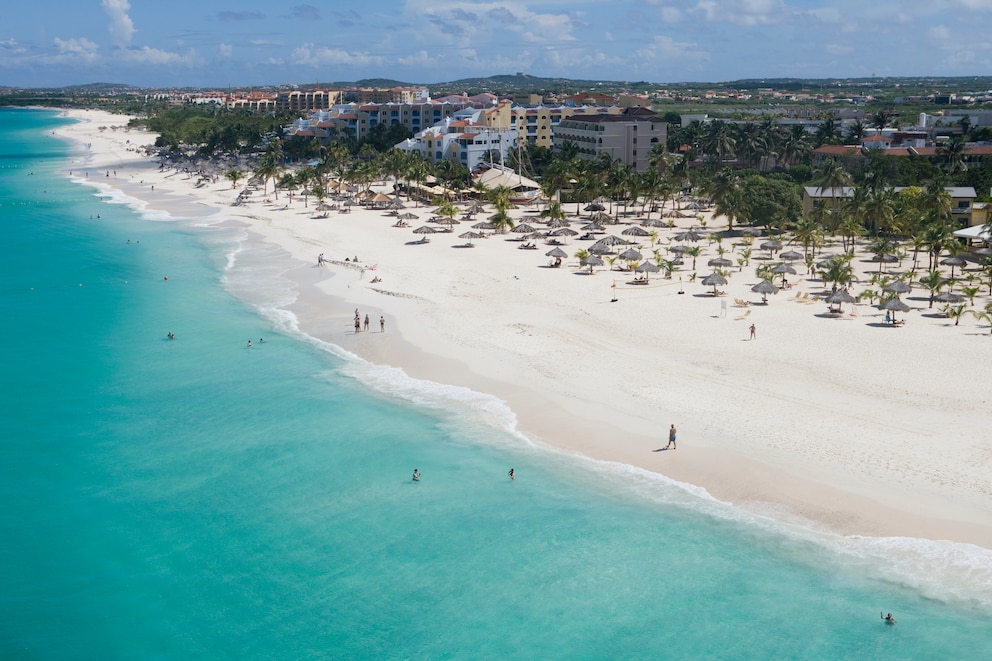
column 978, row 232
column 496, row 177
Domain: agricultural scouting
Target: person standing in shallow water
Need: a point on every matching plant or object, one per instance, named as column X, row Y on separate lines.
column 672, row 431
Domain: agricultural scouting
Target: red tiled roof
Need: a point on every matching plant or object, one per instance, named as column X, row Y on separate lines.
column 838, row 150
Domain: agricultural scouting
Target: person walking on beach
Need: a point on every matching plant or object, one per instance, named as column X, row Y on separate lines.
column 382, row 324
column 366, row 322
column 752, row 329
column 671, row 438
column 358, row 326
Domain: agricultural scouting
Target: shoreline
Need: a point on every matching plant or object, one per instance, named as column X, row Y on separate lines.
column 835, row 422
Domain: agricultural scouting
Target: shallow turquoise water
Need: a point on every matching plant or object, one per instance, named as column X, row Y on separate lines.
column 198, row 499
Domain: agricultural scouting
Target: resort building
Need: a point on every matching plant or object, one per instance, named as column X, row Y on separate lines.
column 470, row 137
column 962, row 200
column 628, row 136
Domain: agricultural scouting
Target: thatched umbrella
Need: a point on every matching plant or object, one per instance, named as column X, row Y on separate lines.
column 470, row 235
column 771, row 246
column 897, row 287
column 895, row 305
column 791, row 256
column 483, row 226
column 720, row 262
column 631, row 255
column 840, row 297
column 782, row 269
column 635, row 231
column 688, row 235
column 522, row 228
column 714, row 280
column 764, row 288
column 594, row 206
column 953, row 261
column 425, row 229
column 948, row 297
column 591, row 261
column 647, row 267
column 556, row 252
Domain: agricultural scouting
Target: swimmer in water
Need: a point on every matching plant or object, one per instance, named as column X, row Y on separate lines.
column 416, row 475
column 171, row 336
column 512, row 475
column 888, row 619
column 249, row 344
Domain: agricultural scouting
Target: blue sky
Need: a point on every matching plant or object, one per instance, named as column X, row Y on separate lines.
column 216, row 43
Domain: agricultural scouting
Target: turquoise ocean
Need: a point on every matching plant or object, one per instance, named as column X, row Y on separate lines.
column 194, row 498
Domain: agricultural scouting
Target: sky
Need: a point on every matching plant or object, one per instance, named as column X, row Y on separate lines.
column 221, row 43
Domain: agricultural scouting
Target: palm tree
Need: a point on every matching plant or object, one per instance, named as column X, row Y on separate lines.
column 987, row 315
column 235, row 175
column 856, row 132
column 553, row 211
column 970, row 292
column 694, row 252
column 954, row 312
column 933, row 282
column 726, row 190
column 952, row 155
column 831, row 175
column 718, row 141
column 828, row 132
column 879, row 209
column 838, row 271
column 849, row 228
column 794, row 146
column 807, row 232
column 267, row 168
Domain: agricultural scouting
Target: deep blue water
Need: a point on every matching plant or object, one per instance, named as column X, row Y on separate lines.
column 194, row 498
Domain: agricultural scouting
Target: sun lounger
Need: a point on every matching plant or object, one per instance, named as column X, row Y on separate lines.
column 747, row 313
column 741, row 303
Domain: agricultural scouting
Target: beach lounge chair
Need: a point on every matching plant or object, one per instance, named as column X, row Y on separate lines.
column 741, row 303
column 747, row 313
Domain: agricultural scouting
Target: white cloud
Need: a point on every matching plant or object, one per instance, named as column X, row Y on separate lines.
column 149, row 55
column 663, row 47
column 467, row 23
column 420, row 59
column 81, row 48
column 743, row 12
column 976, row 5
column 121, row 27
column 309, row 55
column 225, row 50
column 940, row 33
column 11, row 46
column 839, row 49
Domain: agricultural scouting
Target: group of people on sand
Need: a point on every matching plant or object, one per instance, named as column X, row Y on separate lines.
column 416, row 474
column 360, row 324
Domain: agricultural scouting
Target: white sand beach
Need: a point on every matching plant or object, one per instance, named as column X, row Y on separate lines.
column 841, row 422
